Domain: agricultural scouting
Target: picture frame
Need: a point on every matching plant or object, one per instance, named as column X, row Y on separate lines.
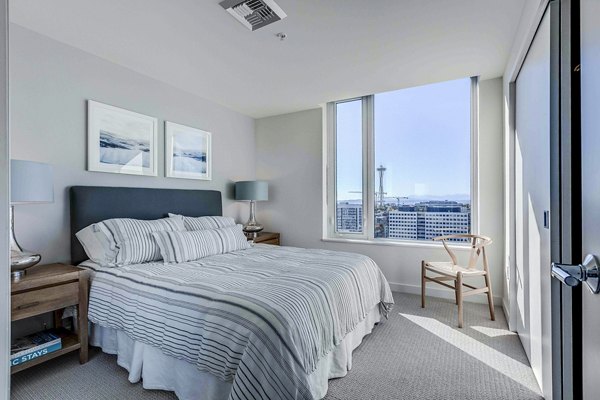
column 187, row 152
column 121, row 141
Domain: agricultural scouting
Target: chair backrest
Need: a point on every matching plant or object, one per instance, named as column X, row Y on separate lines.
column 478, row 243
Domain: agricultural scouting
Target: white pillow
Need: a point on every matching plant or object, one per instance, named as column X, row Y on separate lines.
column 133, row 237
column 194, row 245
column 99, row 244
column 202, row 223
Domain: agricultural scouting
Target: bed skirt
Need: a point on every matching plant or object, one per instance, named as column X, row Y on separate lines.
column 162, row 372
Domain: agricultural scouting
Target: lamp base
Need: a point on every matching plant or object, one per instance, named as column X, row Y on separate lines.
column 252, row 233
column 252, row 227
column 16, row 276
column 20, row 261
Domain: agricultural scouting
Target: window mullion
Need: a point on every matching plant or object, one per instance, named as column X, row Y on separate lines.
column 474, row 155
column 369, row 167
column 331, row 170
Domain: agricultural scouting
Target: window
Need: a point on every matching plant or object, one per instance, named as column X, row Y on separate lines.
column 348, row 149
column 400, row 164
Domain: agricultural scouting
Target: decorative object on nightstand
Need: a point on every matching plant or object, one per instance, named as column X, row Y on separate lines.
column 252, row 191
column 266, row 238
column 31, row 183
column 48, row 288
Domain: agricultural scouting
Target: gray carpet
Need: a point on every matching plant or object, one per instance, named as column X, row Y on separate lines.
column 416, row 354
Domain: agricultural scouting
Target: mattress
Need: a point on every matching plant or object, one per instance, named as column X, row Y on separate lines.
column 262, row 319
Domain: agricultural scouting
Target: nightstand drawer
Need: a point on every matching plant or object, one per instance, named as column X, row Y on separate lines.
column 267, row 238
column 27, row 304
column 271, row 241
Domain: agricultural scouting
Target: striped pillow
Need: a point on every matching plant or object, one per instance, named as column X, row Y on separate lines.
column 202, row 223
column 99, row 244
column 134, row 240
column 194, row 245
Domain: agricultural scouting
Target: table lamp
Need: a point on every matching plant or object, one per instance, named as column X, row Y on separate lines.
column 30, row 183
column 252, row 191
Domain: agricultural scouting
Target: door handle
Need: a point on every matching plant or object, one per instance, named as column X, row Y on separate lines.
column 572, row 274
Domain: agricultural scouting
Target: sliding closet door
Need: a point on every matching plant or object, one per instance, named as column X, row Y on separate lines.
column 532, row 202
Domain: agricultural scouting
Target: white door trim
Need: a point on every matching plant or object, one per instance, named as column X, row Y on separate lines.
column 4, row 206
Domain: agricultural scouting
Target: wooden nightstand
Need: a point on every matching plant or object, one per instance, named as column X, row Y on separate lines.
column 47, row 288
column 267, row 238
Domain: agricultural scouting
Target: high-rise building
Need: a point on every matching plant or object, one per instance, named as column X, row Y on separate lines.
column 403, row 225
column 427, row 220
column 421, row 221
column 349, row 217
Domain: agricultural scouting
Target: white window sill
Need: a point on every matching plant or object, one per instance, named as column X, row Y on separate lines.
column 398, row 243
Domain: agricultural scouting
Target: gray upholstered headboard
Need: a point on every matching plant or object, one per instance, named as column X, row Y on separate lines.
column 91, row 204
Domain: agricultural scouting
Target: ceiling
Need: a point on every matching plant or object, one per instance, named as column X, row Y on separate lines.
column 334, row 49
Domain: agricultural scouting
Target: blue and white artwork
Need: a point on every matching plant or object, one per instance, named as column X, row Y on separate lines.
column 121, row 141
column 118, row 150
column 187, row 152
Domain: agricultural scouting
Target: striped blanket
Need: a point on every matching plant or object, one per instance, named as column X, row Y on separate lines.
column 260, row 318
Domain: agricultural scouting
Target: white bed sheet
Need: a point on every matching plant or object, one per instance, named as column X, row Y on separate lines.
column 159, row 371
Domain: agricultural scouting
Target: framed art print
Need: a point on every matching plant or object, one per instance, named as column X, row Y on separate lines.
column 121, row 141
column 187, row 152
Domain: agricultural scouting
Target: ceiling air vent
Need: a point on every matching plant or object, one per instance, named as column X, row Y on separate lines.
column 254, row 14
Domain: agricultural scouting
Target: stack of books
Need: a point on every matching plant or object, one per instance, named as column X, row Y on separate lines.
column 39, row 344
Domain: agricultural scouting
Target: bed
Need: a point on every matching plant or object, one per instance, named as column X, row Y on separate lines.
column 266, row 322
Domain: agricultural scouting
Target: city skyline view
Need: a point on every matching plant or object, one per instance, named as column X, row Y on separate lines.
column 420, row 191
column 423, row 220
column 436, row 114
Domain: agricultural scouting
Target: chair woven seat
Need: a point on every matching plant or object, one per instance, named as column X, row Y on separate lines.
column 447, row 268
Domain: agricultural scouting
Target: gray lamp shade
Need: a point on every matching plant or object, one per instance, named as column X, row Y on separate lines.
column 252, row 190
column 30, row 182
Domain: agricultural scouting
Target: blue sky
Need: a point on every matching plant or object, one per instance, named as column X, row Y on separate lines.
column 422, row 137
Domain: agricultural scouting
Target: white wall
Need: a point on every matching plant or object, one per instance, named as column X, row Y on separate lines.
column 289, row 155
column 50, row 83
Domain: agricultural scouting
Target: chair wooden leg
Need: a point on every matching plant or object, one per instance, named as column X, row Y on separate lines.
column 459, row 297
column 490, row 297
column 455, row 292
column 422, row 284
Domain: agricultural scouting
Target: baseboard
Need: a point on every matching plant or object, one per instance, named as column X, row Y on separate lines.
column 506, row 309
column 441, row 293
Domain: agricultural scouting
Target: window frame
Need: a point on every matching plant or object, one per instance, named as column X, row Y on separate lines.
column 367, row 236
